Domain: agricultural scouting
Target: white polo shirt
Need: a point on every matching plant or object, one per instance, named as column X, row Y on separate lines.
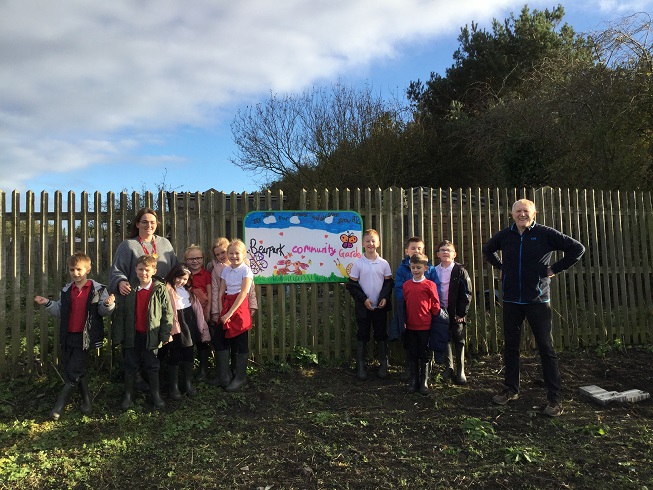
column 370, row 275
column 233, row 277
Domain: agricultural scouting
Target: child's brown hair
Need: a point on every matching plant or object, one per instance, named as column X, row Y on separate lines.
column 79, row 258
column 147, row 260
column 419, row 258
column 446, row 243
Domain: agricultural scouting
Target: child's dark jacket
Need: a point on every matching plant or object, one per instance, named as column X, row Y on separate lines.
column 360, row 297
column 160, row 317
column 93, row 334
column 460, row 292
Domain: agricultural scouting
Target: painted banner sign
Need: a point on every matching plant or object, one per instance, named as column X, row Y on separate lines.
column 302, row 246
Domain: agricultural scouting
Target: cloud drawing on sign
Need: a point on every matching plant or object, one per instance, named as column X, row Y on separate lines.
column 269, row 219
column 294, row 220
column 328, row 220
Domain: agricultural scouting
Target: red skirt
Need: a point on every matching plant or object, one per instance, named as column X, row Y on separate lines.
column 240, row 321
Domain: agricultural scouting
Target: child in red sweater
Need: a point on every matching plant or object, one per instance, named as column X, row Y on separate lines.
column 422, row 304
column 200, row 282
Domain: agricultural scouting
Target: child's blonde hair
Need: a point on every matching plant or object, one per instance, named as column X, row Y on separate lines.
column 190, row 248
column 372, row 232
column 238, row 243
column 220, row 242
column 79, row 258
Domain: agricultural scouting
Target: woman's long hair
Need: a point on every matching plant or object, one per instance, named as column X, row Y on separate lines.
column 133, row 232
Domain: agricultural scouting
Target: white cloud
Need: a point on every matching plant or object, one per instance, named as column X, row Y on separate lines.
column 78, row 76
column 624, row 6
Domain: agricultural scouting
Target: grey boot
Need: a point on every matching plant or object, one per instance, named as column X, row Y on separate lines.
column 412, row 378
column 460, row 378
column 361, row 351
column 157, row 401
column 173, row 383
column 223, row 377
column 62, row 400
column 241, row 372
column 383, row 360
column 85, row 406
column 128, row 400
column 203, row 355
column 447, row 374
column 187, row 387
column 423, row 382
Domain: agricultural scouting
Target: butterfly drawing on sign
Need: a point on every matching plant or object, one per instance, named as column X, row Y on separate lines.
column 257, row 262
column 348, row 240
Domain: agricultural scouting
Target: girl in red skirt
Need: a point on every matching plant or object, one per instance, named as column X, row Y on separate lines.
column 235, row 283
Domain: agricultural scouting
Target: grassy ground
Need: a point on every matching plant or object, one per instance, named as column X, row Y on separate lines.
column 318, row 427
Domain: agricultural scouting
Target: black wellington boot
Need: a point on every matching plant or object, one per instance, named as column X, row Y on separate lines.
column 460, row 378
column 241, row 372
column 383, row 360
column 361, row 351
column 447, row 374
column 423, row 382
column 223, row 376
column 140, row 384
column 62, row 400
column 203, row 356
column 173, row 383
column 85, row 407
column 128, row 399
column 157, row 401
column 412, row 378
column 405, row 375
column 187, row 386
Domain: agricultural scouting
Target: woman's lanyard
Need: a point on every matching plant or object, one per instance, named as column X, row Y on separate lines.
column 153, row 254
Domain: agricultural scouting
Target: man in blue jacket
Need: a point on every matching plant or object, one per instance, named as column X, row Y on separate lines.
column 526, row 270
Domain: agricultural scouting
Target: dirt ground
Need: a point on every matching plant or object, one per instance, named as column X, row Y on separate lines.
column 464, row 441
column 318, row 427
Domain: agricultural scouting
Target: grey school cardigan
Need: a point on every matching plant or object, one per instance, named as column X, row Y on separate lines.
column 124, row 260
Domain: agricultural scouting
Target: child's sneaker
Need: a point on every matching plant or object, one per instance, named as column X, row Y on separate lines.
column 553, row 409
column 507, row 395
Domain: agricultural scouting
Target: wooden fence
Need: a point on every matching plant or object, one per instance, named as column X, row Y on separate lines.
column 604, row 298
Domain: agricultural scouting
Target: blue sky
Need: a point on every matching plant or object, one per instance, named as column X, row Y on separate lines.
column 106, row 96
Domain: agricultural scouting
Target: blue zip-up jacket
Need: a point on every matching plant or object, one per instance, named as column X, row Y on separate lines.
column 525, row 258
column 403, row 274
